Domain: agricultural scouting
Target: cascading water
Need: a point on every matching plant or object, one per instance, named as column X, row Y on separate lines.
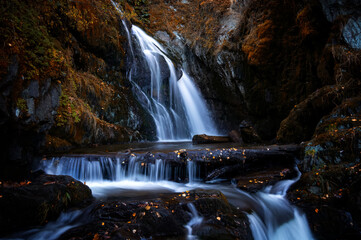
column 52, row 230
column 177, row 107
column 198, row 116
column 272, row 217
column 195, row 220
column 98, row 169
column 181, row 112
column 275, row 217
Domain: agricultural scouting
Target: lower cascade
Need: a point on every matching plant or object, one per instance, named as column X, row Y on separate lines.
column 275, row 218
column 271, row 216
column 195, row 220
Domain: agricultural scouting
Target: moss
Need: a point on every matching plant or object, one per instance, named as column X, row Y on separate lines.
column 43, row 212
column 21, row 105
column 66, row 111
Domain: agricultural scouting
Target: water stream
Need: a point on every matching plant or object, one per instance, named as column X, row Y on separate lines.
column 195, row 220
column 272, row 217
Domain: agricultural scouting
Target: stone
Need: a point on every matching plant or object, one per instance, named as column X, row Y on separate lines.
column 352, row 32
column 165, row 218
column 36, row 201
column 235, row 136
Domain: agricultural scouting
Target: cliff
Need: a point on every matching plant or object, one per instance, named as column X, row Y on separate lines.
column 63, row 67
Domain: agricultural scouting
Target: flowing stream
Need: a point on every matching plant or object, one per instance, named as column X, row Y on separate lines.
column 272, row 217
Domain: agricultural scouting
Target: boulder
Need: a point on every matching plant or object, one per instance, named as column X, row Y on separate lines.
column 253, row 182
column 165, row 218
column 330, row 197
column 38, row 200
column 329, row 190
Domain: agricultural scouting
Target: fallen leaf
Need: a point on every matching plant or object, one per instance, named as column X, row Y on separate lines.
column 48, row 183
column 96, row 236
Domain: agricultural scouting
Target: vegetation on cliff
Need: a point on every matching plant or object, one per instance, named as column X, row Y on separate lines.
column 63, row 78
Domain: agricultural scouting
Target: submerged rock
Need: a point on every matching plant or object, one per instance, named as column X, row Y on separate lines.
column 39, row 200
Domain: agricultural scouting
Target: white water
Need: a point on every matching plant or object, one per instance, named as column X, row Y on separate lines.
column 272, row 217
column 52, row 230
column 195, row 220
column 114, row 169
column 275, row 218
column 180, row 111
column 198, row 116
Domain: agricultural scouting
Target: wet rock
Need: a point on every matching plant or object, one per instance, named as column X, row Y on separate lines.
column 205, row 139
column 335, row 8
column 80, row 99
column 337, row 137
column 329, row 189
column 253, row 182
column 330, row 198
column 235, row 136
column 248, row 133
column 302, row 120
column 164, row 218
column 352, row 32
column 39, row 200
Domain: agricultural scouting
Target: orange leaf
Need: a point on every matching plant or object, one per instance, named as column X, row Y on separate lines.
column 96, row 236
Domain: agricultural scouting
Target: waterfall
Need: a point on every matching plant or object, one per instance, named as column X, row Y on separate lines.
column 199, row 118
column 177, row 107
column 115, row 169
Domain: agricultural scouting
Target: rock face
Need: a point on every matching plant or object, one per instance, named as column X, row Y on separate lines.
column 330, row 185
column 257, row 61
column 64, row 81
column 39, row 200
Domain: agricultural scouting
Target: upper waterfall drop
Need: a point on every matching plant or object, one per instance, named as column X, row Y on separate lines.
column 177, row 107
column 199, row 118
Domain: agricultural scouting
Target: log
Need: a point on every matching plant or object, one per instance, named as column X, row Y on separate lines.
column 205, row 139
